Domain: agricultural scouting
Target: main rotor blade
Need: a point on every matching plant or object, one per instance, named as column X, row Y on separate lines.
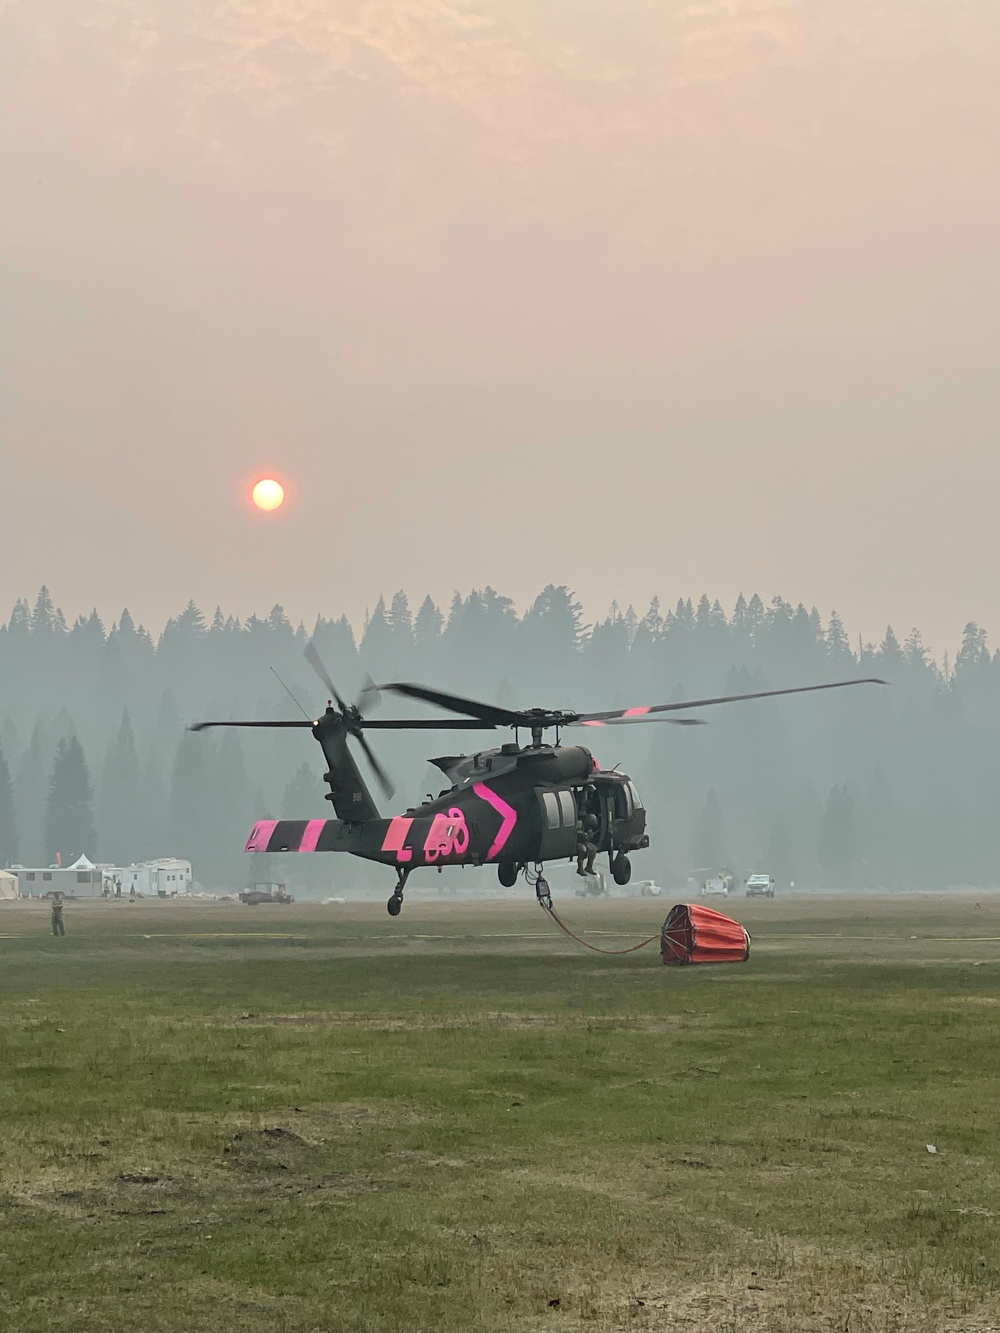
column 316, row 662
column 640, row 722
column 384, row 781
column 723, row 699
column 369, row 696
column 495, row 716
column 427, row 724
column 200, row 726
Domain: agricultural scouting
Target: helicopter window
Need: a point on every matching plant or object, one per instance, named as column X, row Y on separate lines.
column 620, row 806
column 568, row 807
column 636, row 799
column 553, row 814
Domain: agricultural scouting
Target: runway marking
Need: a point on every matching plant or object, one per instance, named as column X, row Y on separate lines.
column 215, row 935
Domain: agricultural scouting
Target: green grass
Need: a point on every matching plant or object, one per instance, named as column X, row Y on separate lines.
column 460, row 1121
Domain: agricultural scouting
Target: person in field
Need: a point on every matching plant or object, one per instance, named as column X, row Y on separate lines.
column 57, row 914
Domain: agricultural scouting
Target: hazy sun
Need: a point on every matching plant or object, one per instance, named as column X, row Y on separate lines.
column 269, row 494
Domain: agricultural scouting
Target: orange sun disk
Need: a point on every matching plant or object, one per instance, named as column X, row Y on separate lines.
column 269, row 494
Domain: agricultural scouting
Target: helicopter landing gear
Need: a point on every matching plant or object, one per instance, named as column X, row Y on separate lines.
column 507, row 873
column 621, row 868
column 395, row 904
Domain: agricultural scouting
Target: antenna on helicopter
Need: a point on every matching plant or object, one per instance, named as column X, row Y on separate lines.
column 292, row 696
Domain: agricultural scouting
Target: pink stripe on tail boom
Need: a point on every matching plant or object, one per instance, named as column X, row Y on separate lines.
column 395, row 836
column 310, row 836
column 260, row 835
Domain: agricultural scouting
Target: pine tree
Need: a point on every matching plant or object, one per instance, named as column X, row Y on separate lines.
column 46, row 618
column 11, row 743
column 30, row 792
column 191, row 803
column 233, row 803
column 69, row 814
column 153, row 838
column 9, row 846
column 838, row 845
column 777, row 858
column 428, row 625
column 119, row 802
column 376, row 649
column 708, row 835
column 838, row 645
column 401, row 621
column 303, row 796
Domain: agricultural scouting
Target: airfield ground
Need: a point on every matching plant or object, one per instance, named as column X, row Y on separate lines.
column 315, row 1118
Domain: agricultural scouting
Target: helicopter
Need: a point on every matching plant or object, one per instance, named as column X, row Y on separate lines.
column 514, row 806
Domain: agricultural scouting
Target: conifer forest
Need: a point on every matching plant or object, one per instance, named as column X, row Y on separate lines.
column 861, row 789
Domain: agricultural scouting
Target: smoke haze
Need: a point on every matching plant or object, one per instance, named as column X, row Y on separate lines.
column 642, row 299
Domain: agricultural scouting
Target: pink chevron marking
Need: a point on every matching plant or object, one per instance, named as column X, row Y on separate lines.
column 311, row 835
column 260, row 835
column 594, row 723
column 637, row 712
column 506, row 812
column 395, row 836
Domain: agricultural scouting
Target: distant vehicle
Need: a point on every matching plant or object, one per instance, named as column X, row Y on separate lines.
column 712, row 883
column 265, row 893
column 648, row 889
column 716, row 887
column 593, row 886
column 760, row 886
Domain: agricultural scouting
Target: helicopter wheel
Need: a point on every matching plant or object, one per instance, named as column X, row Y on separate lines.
column 621, row 869
column 395, row 904
column 507, row 873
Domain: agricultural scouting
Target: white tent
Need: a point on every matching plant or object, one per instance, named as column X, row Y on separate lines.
column 84, row 863
column 8, row 885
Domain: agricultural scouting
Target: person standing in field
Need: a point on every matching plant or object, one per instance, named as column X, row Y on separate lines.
column 57, row 914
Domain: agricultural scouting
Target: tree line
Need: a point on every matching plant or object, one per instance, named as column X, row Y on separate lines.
column 858, row 788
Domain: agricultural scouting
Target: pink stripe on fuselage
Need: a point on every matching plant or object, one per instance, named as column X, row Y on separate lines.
column 311, row 835
column 507, row 813
column 260, row 835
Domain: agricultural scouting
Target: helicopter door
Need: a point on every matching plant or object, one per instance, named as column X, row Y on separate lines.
column 616, row 806
column 558, row 823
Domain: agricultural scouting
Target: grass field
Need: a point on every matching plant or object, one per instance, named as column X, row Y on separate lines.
column 307, row 1118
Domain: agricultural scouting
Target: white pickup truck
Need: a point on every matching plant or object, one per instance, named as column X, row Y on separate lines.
column 760, row 886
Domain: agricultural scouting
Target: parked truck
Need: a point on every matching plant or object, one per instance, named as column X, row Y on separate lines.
column 265, row 893
column 760, row 886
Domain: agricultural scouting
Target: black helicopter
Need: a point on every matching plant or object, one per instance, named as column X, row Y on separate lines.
column 514, row 806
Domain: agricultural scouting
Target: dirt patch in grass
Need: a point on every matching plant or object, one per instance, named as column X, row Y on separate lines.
column 787, row 1289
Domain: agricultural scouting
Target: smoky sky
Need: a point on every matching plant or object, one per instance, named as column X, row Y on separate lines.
column 645, row 299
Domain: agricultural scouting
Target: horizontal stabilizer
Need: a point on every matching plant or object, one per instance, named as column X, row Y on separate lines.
column 293, row 835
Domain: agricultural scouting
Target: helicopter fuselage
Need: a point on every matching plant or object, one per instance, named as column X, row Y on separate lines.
column 508, row 805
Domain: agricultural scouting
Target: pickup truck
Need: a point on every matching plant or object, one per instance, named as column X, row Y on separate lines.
column 760, row 886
